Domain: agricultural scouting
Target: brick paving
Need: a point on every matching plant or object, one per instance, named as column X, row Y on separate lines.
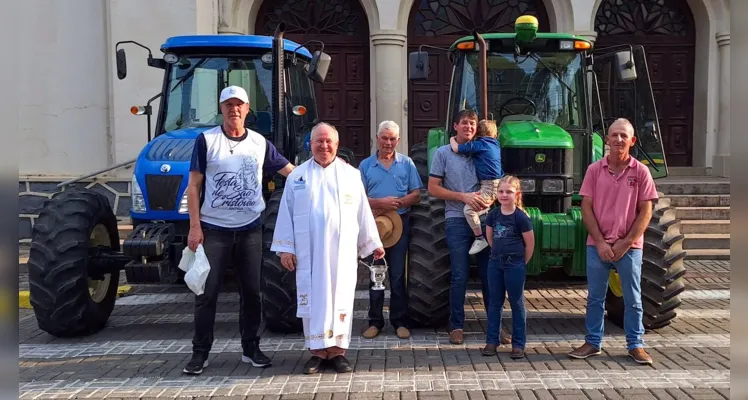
column 142, row 351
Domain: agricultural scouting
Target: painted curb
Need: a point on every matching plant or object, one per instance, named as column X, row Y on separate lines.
column 23, row 296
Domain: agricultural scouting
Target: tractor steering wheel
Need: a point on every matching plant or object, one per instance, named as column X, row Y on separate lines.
column 523, row 110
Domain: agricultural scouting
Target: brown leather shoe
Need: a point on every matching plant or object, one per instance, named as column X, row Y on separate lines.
column 640, row 356
column 456, row 337
column 402, row 332
column 489, row 350
column 371, row 332
column 517, row 352
column 584, row 351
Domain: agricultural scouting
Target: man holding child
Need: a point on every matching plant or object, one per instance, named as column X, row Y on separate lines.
column 453, row 178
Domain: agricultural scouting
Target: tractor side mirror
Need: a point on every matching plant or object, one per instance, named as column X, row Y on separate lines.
column 121, row 64
column 318, row 66
column 418, row 65
column 625, row 66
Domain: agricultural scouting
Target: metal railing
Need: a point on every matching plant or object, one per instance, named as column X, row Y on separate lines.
column 93, row 174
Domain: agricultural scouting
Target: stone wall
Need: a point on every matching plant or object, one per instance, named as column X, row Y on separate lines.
column 32, row 195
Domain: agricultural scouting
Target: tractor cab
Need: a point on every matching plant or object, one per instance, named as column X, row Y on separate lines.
column 548, row 104
column 196, row 69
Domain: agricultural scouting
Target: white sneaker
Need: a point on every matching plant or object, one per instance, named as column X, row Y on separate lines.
column 478, row 246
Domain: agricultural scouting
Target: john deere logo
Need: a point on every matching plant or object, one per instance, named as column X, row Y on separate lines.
column 540, row 158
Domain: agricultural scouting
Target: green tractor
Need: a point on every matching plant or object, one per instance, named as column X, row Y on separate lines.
column 552, row 97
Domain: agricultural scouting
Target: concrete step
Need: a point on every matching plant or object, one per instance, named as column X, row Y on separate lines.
column 703, row 213
column 693, row 185
column 705, row 226
column 700, row 200
column 710, row 241
column 708, row 254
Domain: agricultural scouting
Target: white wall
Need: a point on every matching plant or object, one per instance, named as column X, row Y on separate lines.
column 74, row 113
column 149, row 23
column 62, row 101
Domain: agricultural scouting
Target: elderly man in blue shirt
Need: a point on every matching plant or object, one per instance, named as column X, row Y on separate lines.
column 392, row 185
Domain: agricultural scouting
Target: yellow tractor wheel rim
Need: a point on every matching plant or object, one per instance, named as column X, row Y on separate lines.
column 614, row 283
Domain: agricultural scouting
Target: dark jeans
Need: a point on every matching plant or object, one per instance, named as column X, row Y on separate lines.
column 459, row 239
column 395, row 257
column 243, row 251
column 506, row 274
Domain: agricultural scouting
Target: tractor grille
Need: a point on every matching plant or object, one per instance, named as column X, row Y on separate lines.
column 540, row 164
column 162, row 191
column 523, row 161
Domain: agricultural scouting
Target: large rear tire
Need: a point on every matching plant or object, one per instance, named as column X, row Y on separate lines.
column 419, row 153
column 65, row 301
column 429, row 273
column 662, row 271
column 278, row 284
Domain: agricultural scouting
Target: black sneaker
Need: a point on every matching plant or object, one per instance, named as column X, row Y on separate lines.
column 196, row 364
column 252, row 354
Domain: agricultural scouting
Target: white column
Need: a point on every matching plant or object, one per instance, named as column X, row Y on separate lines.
column 388, row 81
column 721, row 160
column 228, row 18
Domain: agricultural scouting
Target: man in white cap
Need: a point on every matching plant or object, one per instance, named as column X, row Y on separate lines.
column 228, row 163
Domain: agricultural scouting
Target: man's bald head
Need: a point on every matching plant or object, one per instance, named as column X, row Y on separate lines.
column 622, row 123
column 620, row 138
column 324, row 142
column 324, row 127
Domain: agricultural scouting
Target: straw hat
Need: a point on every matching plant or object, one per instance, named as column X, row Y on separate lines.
column 390, row 227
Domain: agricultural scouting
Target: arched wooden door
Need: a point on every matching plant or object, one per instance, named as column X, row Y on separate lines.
column 343, row 99
column 440, row 23
column 665, row 28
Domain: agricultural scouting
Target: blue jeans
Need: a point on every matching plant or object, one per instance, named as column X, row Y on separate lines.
column 460, row 238
column 395, row 257
column 506, row 274
column 629, row 269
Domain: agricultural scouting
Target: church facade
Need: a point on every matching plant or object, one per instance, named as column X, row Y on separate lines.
column 85, row 124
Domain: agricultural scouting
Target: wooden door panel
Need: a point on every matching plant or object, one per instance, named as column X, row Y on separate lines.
column 346, row 96
column 343, row 100
column 355, row 106
column 330, row 105
column 427, row 99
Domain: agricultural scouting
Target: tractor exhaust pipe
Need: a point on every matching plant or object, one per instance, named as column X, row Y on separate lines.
column 483, row 73
column 279, row 103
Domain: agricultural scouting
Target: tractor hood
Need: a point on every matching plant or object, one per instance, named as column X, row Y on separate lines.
column 173, row 146
column 534, row 134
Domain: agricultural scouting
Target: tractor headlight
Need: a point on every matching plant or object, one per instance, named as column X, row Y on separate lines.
column 183, row 204
column 136, row 196
column 553, row 186
column 527, row 185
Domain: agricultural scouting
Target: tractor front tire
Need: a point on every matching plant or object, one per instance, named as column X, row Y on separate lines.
column 71, row 223
column 429, row 273
column 419, row 153
column 662, row 271
column 278, row 283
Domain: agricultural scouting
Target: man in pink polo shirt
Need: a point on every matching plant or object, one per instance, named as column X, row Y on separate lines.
column 617, row 194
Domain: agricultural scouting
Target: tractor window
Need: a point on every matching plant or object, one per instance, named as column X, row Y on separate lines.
column 548, row 87
column 301, row 93
column 196, row 82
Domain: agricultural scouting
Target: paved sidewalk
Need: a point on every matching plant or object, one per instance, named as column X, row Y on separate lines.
column 142, row 351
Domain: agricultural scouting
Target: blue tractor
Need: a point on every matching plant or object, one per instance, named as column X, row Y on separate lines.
column 76, row 257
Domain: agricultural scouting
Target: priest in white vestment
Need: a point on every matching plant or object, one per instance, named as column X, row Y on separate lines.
column 324, row 225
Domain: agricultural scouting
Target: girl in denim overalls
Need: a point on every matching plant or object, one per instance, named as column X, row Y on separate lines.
column 509, row 232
